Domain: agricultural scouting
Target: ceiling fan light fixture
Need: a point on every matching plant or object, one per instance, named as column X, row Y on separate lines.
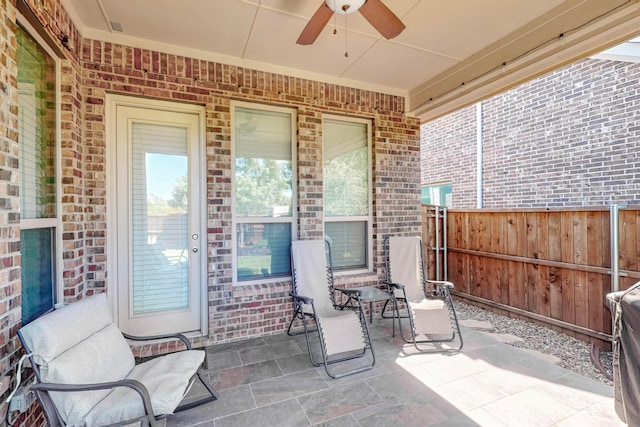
column 374, row 11
column 344, row 6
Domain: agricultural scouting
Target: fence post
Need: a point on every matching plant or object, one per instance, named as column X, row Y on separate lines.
column 445, row 249
column 436, row 219
column 614, row 221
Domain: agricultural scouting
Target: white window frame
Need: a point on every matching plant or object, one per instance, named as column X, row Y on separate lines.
column 293, row 219
column 51, row 223
column 368, row 218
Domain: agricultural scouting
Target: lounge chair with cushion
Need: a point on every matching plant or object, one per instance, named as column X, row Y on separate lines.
column 342, row 331
column 433, row 322
column 86, row 373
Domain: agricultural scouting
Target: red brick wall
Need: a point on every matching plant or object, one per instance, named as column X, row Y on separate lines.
column 569, row 138
column 9, row 206
column 252, row 310
column 52, row 15
column 91, row 68
column 449, row 154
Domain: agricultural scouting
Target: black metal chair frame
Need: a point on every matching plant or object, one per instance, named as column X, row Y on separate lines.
column 432, row 289
column 52, row 414
column 300, row 314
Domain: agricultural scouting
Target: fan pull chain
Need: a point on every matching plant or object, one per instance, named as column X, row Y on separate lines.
column 335, row 27
column 346, row 53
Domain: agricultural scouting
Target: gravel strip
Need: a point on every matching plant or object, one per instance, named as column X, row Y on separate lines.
column 573, row 353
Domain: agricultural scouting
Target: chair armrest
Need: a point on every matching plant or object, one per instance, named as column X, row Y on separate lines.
column 180, row 337
column 353, row 299
column 135, row 385
column 439, row 288
column 350, row 292
column 394, row 285
column 305, row 300
column 441, row 283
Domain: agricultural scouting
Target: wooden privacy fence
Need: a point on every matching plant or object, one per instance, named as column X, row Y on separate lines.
column 553, row 266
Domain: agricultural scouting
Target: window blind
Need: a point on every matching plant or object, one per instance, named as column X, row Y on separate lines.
column 346, row 168
column 159, row 218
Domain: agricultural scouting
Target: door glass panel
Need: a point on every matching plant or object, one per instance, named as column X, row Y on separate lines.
column 160, row 262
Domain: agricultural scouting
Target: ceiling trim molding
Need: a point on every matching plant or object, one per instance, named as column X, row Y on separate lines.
column 455, row 92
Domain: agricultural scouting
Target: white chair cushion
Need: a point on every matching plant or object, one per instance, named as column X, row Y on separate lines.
column 431, row 316
column 166, row 378
column 342, row 332
column 103, row 357
column 50, row 335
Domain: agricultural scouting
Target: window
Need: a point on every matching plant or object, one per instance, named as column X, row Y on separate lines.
column 264, row 190
column 439, row 195
column 37, row 118
column 347, row 191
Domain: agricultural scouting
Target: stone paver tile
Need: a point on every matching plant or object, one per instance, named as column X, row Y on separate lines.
column 296, row 363
column 508, row 381
column 546, row 357
column 579, row 382
column 228, row 359
column 476, row 324
column 394, row 385
column 601, row 414
column 245, row 374
column 287, row 387
column 348, row 365
column 381, row 345
column 504, row 338
column 272, row 339
column 527, row 408
column 537, row 368
column 236, row 345
column 345, row 421
column 281, row 414
column 576, row 391
column 268, row 352
column 338, row 401
column 409, row 361
column 468, row 393
column 415, row 410
column 474, row 340
column 499, row 354
column 446, row 370
column 230, row 401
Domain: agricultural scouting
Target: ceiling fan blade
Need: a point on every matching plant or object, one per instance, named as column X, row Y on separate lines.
column 315, row 25
column 382, row 18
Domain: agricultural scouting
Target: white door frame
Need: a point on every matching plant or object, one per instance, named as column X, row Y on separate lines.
column 111, row 103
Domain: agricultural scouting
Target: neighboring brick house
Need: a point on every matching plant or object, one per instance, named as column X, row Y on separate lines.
column 89, row 70
column 569, row 138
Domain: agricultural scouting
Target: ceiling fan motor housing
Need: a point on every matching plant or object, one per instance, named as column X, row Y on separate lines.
column 344, row 6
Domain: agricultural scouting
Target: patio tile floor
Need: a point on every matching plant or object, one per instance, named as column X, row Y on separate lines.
column 269, row 381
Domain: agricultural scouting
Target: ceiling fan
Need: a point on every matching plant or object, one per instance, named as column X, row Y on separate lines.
column 374, row 11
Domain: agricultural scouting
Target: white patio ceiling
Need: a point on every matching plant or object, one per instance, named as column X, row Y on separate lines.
column 452, row 53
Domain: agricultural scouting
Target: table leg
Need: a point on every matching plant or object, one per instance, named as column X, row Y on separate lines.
column 370, row 312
